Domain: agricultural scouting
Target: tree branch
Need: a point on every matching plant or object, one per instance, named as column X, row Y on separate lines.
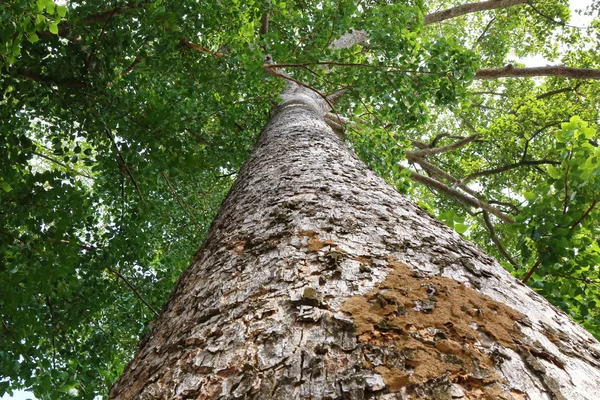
column 531, row 271
column 506, row 168
column 100, row 36
column 496, row 240
column 558, row 91
column 584, row 216
column 510, row 71
column 199, row 48
column 490, row 93
column 452, row 193
column 443, row 149
column 138, row 295
column 182, row 203
column 469, row 9
column 124, row 165
column 50, row 79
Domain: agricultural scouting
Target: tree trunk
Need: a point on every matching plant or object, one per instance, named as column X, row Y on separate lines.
column 320, row 281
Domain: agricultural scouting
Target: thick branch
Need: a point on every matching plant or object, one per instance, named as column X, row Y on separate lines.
column 510, row 71
column 463, row 198
column 439, row 173
column 264, row 24
column 470, row 8
column 443, row 149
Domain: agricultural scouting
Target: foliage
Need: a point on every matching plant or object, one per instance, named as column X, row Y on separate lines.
column 124, row 126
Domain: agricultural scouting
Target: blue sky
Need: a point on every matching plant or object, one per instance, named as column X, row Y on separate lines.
column 18, row 395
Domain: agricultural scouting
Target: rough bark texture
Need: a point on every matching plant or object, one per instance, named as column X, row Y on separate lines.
column 470, row 8
column 320, row 281
column 552, row 70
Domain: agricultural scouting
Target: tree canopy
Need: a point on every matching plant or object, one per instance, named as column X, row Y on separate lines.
column 124, row 124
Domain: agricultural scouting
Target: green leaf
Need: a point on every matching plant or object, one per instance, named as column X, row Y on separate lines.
column 6, row 187
column 529, row 196
column 53, row 28
column 460, row 228
column 554, row 172
column 62, row 11
column 32, row 38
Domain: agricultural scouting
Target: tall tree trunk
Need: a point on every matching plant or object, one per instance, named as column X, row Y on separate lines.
column 320, row 281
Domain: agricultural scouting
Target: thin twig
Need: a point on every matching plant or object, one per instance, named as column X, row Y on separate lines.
column 138, row 295
column 496, row 240
column 566, row 202
column 91, row 55
column 182, row 203
column 272, row 68
column 531, row 271
column 584, row 216
column 508, row 167
column 124, row 164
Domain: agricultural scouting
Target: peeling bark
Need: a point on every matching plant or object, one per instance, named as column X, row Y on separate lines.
column 320, row 281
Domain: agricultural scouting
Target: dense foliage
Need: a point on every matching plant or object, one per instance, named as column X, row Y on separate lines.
column 124, row 123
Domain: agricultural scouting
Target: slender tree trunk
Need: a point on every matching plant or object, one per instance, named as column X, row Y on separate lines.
column 320, row 281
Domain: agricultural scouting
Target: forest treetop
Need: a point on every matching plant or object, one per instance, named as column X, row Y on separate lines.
column 124, row 124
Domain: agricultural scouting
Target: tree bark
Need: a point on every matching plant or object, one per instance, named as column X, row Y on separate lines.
column 470, row 8
column 319, row 281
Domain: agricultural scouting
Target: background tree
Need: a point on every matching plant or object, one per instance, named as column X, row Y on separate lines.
column 124, row 126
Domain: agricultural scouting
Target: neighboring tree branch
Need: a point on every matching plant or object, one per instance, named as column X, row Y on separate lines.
column 541, row 14
column 515, row 209
column 490, row 93
column 131, row 66
column 531, row 271
column 487, row 27
column 124, row 165
column 455, row 194
column 469, row 9
column 186, row 207
column 108, row 14
column 510, row 71
column 197, row 47
column 138, row 295
column 264, row 24
column 51, row 80
column 100, row 36
column 585, row 215
column 558, row 91
column 575, row 225
column 55, row 161
column 506, row 168
column 584, row 280
column 443, row 149
column 496, row 240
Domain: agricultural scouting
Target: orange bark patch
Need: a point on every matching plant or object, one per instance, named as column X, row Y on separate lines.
column 436, row 324
column 315, row 244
